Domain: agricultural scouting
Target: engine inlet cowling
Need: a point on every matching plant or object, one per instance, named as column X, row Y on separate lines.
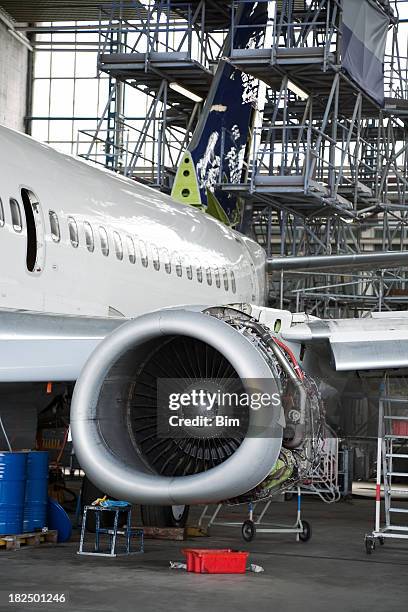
column 115, row 410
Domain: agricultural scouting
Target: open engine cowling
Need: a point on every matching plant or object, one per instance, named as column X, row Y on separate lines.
column 114, row 412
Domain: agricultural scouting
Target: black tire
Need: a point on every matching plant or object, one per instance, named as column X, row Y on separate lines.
column 89, row 492
column 248, row 530
column 164, row 516
column 369, row 545
column 306, row 534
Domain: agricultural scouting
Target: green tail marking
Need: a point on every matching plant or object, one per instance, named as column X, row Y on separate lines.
column 215, row 209
column 185, row 190
column 185, row 187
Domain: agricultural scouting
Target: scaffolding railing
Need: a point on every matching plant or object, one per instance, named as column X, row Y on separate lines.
column 159, row 26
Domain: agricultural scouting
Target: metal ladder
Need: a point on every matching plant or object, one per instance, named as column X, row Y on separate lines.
column 392, row 444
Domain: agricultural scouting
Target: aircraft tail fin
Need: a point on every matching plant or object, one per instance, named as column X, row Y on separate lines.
column 220, row 141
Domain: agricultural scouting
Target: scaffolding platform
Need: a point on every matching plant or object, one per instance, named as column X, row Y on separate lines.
column 150, row 69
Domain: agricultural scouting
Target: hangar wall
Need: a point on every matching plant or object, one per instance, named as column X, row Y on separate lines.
column 13, row 79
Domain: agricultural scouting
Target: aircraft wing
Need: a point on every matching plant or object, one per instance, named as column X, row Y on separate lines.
column 376, row 342
column 39, row 347
column 377, row 260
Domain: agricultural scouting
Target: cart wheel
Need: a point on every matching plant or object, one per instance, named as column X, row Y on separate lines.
column 306, row 534
column 369, row 545
column 248, row 530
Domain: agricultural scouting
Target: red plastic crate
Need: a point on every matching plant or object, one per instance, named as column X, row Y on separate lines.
column 215, row 561
column 192, row 558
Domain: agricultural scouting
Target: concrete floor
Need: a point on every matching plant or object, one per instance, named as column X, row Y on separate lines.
column 331, row 572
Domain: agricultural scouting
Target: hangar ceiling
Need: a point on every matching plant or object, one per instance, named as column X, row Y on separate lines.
column 56, row 10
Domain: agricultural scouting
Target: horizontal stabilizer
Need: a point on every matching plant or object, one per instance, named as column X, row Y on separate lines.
column 334, row 263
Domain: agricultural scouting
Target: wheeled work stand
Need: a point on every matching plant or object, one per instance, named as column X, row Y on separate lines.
column 251, row 526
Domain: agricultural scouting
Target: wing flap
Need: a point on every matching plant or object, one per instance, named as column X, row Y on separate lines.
column 374, row 343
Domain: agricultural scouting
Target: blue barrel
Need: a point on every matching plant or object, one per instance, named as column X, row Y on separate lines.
column 36, row 492
column 12, row 488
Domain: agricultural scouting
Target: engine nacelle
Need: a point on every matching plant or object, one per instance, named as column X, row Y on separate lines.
column 115, row 394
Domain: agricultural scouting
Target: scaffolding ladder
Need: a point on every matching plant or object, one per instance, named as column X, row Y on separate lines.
column 392, row 446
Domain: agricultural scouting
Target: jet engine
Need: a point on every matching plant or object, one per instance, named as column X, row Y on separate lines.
column 117, row 409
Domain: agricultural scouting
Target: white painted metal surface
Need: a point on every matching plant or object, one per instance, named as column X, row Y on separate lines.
column 185, row 244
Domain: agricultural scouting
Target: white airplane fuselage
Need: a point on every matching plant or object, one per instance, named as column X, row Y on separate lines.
column 182, row 256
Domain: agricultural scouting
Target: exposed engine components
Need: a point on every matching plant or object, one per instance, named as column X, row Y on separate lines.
column 116, row 408
column 302, row 405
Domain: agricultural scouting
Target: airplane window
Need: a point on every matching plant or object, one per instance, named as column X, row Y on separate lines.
column 16, row 215
column 104, row 241
column 189, row 271
column 166, row 260
column 217, row 278
column 118, row 245
column 179, row 265
column 233, row 284
column 209, row 276
column 131, row 249
column 1, row 214
column 89, row 237
column 225, row 277
column 200, row 274
column 155, row 257
column 73, row 232
column 143, row 253
column 54, row 226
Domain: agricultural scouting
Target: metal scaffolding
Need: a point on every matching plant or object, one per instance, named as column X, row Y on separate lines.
column 327, row 169
column 167, row 52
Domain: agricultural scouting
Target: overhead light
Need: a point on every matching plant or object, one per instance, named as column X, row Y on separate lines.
column 296, row 90
column 185, row 92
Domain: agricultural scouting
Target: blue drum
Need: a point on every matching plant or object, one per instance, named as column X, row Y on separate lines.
column 36, row 491
column 12, row 489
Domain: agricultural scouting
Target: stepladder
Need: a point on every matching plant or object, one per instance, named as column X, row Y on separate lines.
column 391, row 494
